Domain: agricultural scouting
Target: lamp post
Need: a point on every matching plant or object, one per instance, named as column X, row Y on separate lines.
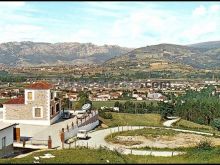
column 70, row 101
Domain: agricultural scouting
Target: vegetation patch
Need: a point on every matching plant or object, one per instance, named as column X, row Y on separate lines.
column 191, row 125
column 78, row 155
column 103, row 156
column 123, row 119
column 161, row 138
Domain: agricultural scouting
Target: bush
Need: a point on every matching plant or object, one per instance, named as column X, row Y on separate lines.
column 216, row 123
column 205, row 145
column 108, row 116
column 105, row 115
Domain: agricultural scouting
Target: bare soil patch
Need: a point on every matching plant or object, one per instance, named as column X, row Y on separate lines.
column 183, row 140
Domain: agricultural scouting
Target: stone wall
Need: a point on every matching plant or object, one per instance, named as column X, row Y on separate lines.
column 25, row 111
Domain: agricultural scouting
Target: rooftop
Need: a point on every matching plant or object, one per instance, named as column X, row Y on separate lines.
column 5, row 125
column 40, row 85
column 19, row 100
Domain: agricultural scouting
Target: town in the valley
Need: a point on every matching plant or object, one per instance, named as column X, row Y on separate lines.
column 51, row 113
column 109, row 82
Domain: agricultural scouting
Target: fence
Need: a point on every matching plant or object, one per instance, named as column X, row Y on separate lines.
column 122, row 150
column 37, row 142
column 88, row 123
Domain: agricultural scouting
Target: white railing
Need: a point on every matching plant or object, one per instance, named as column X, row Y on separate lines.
column 73, row 129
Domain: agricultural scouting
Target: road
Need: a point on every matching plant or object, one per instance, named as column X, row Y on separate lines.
column 97, row 139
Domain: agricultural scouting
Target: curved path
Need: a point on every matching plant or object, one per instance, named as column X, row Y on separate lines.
column 169, row 123
column 97, row 139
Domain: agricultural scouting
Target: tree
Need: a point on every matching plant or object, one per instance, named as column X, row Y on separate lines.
column 65, row 103
column 83, row 99
column 166, row 109
column 116, row 104
column 216, row 123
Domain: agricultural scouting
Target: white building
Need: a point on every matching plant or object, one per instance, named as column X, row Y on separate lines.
column 155, row 96
column 37, row 107
column 6, row 138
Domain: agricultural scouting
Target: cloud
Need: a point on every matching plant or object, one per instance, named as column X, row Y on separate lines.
column 127, row 24
column 151, row 25
column 82, row 35
column 19, row 32
column 144, row 27
column 12, row 4
column 215, row 8
column 199, row 11
column 196, row 31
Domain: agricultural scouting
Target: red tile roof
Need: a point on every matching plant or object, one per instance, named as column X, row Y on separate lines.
column 40, row 85
column 18, row 100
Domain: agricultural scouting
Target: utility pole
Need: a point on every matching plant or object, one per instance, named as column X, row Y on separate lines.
column 135, row 108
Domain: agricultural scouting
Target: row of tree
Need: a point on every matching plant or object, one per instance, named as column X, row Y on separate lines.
column 6, row 77
column 201, row 107
column 141, row 107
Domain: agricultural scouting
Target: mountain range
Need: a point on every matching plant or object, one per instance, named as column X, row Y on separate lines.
column 204, row 55
column 38, row 53
column 27, row 53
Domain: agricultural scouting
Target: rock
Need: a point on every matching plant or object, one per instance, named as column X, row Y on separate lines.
column 104, row 125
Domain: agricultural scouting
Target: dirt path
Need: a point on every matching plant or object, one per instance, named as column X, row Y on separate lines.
column 169, row 123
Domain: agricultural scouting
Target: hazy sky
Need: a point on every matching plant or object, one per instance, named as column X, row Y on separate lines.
column 130, row 24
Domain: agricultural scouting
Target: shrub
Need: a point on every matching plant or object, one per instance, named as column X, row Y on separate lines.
column 205, row 145
column 216, row 123
column 105, row 115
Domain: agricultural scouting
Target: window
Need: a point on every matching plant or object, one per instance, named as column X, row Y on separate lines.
column 52, row 111
column 51, row 95
column 3, row 142
column 37, row 112
column 57, row 107
column 29, row 95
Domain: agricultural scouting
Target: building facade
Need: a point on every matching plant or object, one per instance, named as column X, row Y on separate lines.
column 39, row 106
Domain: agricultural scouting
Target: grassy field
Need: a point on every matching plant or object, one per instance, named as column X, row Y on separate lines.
column 110, row 103
column 146, row 132
column 83, row 155
column 123, row 119
column 78, row 155
column 192, row 156
column 188, row 124
column 184, row 124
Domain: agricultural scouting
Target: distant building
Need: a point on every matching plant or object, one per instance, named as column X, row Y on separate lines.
column 156, row 96
column 102, row 97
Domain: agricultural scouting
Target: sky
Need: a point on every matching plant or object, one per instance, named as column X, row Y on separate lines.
column 128, row 24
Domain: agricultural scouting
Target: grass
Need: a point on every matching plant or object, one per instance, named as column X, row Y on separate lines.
column 110, row 103
column 184, row 124
column 78, row 155
column 146, row 132
column 100, row 156
column 123, row 119
column 184, row 149
column 188, row 124
column 192, row 156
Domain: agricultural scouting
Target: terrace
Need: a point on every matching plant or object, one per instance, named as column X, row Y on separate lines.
column 36, row 137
